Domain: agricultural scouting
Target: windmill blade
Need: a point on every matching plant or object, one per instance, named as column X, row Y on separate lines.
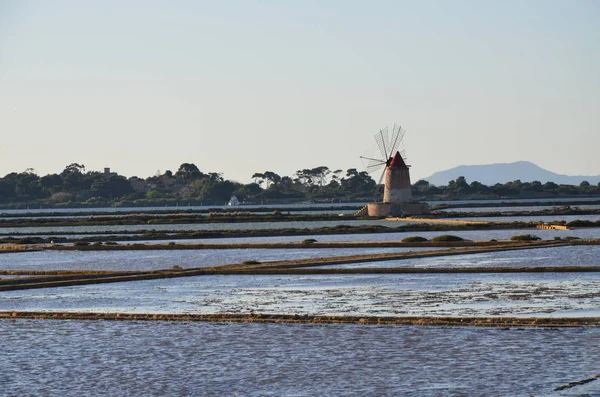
column 397, row 135
column 403, row 154
column 374, row 165
column 382, row 142
column 370, row 158
column 381, row 177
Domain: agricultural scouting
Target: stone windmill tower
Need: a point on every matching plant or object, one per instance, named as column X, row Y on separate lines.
column 397, row 193
column 397, row 188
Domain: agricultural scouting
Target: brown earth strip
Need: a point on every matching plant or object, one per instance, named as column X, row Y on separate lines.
column 274, row 245
column 300, row 266
column 312, row 319
column 392, row 256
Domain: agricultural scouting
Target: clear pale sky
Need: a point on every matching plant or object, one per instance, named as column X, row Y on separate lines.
column 240, row 87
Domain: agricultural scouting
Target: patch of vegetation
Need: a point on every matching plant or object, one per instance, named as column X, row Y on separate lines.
column 28, row 240
column 110, row 243
column 414, row 239
column 309, row 241
column 251, row 262
column 446, row 238
column 572, row 238
column 81, row 244
column 583, row 223
column 525, row 237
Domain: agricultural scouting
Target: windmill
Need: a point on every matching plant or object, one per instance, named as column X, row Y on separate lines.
column 387, row 147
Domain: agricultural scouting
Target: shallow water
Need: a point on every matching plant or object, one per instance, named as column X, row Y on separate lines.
column 585, row 255
column 56, row 230
column 165, row 259
column 475, row 235
column 544, row 218
column 516, row 209
column 523, row 294
column 85, row 358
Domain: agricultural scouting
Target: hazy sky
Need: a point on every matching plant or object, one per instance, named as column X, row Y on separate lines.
column 240, row 87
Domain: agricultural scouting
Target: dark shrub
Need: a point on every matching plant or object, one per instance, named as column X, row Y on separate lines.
column 581, row 223
column 446, row 237
column 309, row 241
column 414, row 239
column 251, row 262
column 525, row 237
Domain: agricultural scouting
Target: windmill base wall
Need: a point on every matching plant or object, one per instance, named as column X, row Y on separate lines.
column 382, row 210
column 379, row 209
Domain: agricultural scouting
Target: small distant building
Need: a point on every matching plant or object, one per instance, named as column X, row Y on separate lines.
column 106, row 170
column 139, row 185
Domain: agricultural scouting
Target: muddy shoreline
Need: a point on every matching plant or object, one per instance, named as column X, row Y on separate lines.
column 47, row 279
column 149, row 234
column 503, row 322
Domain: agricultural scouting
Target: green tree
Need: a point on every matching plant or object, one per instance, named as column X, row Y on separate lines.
column 188, row 172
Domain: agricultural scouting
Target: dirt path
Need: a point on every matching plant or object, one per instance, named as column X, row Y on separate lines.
column 314, row 319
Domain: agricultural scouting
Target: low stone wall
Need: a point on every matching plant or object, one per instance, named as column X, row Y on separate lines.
column 397, row 209
column 379, row 209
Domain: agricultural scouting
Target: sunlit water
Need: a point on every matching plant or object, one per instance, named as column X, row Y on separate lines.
column 475, row 235
column 478, row 235
column 164, row 259
column 522, row 294
column 56, row 230
column 87, row 358
column 516, row 209
column 555, row 256
column 544, row 218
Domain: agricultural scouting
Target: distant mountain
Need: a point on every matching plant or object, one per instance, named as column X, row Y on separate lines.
column 491, row 174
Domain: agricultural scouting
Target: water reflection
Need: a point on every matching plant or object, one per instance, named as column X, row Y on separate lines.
column 75, row 358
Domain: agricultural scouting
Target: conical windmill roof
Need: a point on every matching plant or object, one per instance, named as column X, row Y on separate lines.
column 397, row 161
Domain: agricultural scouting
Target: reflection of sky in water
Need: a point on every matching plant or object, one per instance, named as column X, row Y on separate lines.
column 219, row 359
column 526, row 294
column 503, row 234
column 164, row 259
column 519, row 209
column 585, row 255
column 198, row 226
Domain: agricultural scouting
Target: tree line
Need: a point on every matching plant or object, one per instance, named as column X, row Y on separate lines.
column 190, row 185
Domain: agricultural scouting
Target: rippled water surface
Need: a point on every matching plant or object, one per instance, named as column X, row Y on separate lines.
column 522, row 294
column 475, row 235
column 196, row 226
column 79, row 358
column 164, row 259
column 556, row 256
